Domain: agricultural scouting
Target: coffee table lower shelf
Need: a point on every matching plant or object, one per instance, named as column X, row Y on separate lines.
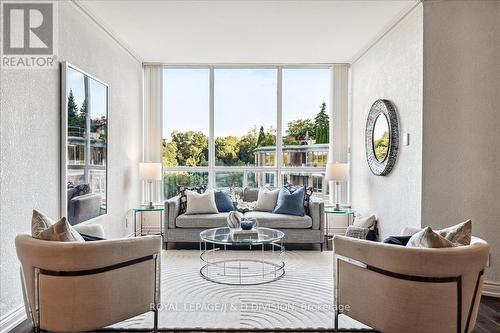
column 219, row 267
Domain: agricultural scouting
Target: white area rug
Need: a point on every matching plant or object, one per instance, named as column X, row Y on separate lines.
column 302, row 299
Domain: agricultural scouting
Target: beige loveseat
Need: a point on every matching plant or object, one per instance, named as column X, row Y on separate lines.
column 398, row 289
column 74, row 287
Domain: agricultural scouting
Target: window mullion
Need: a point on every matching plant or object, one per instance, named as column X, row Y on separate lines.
column 211, row 132
column 279, row 134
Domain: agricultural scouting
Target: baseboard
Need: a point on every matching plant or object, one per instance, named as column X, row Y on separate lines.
column 491, row 288
column 12, row 319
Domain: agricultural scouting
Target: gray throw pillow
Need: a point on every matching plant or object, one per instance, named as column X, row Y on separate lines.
column 364, row 221
column 429, row 239
column 266, row 200
column 460, row 234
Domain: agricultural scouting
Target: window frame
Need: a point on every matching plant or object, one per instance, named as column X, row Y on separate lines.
column 278, row 169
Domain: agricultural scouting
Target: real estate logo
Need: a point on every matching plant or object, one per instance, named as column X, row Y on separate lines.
column 29, row 35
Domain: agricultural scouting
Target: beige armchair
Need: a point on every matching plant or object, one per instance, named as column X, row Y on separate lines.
column 399, row 289
column 73, row 287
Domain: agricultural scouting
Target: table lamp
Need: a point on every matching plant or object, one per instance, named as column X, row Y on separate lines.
column 150, row 172
column 337, row 172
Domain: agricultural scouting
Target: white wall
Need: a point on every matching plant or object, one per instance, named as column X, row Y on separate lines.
column 461, row 134
column 30, row 138
column 391, row 69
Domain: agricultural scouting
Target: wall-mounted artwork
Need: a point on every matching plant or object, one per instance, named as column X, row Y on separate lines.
column 382, row 137
column 84, row 145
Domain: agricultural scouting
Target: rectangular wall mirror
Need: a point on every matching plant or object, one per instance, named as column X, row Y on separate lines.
column 84, row 145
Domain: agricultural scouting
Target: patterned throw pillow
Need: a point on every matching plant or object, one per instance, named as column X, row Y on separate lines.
column 429, row 239
column 459, row 234
column 356, row 232
column 307, row 196
column 182, row 192
column 44, row 228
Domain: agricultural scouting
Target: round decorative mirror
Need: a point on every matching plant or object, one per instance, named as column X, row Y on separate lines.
column 382, row 137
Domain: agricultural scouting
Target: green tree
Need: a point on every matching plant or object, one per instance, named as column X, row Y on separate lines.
column 169, row 156
column 192, row 148
column 262, row 137
column 381, row 146
column 297, row 130
column 246, row 146
column 226, row 150
column 322, row 124
column 82, row 115
column 73, row 117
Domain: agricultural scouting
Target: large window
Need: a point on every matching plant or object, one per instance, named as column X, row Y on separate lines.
column 245, row 126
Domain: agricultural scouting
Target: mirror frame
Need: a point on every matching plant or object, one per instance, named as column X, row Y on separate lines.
column 63, row 207
column 387, row 108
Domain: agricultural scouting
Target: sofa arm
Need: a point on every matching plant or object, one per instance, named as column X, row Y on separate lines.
column 172, row 208
column 95, row 230
column 317, row 213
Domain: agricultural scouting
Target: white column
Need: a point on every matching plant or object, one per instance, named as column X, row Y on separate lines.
column 152, row 122
column 339, row 122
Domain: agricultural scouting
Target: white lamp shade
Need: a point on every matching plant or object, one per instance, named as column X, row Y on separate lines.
column 338, row 172
column 150, row 171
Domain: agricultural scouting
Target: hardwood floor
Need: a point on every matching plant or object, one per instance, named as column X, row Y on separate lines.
column 488, row 320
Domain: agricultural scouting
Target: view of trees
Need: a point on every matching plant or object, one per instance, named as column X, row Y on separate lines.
column 190, row 148
column 381, row 145
column 77, row 118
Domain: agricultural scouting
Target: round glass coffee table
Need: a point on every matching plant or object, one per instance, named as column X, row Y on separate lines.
column 242, row 267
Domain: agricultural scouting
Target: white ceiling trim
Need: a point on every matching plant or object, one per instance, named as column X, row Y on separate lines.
column 388, row 29
column 106, row 29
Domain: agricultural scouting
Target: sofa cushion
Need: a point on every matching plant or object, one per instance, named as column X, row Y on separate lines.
column 280, row 221
column 250, row 194
column 201, row 220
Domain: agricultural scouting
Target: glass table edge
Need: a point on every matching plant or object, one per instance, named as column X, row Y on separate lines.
column 280, row 236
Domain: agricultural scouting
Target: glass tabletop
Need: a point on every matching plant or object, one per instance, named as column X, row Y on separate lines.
column 225, row 235
column 347, row 211
column 147, row 209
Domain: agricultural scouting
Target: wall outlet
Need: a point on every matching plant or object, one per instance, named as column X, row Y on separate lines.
column 406, row 139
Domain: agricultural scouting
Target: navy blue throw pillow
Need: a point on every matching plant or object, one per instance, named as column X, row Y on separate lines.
column 291, row 203
column 223, row 202
column 397, row 240
column 90, row 238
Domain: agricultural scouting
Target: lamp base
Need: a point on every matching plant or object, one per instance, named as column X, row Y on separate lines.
column 337, row 208
column 150, row 205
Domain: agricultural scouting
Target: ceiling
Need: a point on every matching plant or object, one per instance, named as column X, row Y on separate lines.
column 245, row 31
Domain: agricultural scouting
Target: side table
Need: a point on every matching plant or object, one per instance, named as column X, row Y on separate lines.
column 143, row 209
column 330, row 210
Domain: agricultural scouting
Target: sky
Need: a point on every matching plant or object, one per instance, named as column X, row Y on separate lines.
column 76, row 84
column 243, row 98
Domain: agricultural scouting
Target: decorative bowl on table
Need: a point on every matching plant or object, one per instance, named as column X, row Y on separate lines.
column 248, row 224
